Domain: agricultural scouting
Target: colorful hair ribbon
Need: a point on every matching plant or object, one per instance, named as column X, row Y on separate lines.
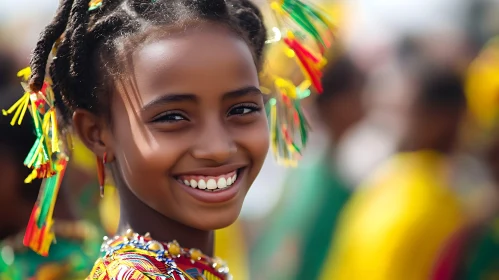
column 310, row 19
column 94, row 4
column 287, row 122
column 307, row 33
column 45, row 159
column 296, row 17
column 310, row 64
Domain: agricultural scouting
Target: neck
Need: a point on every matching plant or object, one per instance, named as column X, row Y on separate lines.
column 335, row 136
column 444, row 147
column 142, row 219
column 427, row 137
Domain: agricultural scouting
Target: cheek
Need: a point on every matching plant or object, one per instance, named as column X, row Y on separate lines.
column 144, row 156
column 255, row 140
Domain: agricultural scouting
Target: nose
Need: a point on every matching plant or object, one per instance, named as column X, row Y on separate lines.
column 215, row 144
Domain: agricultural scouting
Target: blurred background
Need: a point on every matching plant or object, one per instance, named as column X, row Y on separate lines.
column 400, row 176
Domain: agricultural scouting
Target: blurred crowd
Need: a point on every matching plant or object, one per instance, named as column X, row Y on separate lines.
column 400, row 179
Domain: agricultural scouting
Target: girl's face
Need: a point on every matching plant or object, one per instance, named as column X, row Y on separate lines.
column 189, row 132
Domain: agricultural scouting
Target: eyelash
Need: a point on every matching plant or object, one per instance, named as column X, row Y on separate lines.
column 252, row 107
column 167, row 116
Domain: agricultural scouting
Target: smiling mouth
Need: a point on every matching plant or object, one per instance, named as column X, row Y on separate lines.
column 210, row 183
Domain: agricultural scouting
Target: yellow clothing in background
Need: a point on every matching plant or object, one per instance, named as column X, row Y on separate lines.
column 395, row 226
column 230, row 246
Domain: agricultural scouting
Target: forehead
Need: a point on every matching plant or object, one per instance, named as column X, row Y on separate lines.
column 211, row 57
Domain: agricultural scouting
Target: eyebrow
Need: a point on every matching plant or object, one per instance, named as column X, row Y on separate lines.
column 180, row 97
column 251, row 90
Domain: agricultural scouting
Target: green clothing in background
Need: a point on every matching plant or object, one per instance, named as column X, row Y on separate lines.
column 297, row 238
column 67, row 260
column 483, row 263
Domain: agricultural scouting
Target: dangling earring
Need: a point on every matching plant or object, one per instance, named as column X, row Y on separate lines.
column 101, row 173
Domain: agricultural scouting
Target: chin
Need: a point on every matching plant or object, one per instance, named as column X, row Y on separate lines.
column 213, row 220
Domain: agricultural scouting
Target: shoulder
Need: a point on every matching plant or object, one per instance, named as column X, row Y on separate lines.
column 402, row 194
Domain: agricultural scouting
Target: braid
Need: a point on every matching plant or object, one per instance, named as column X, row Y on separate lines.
column 106, row 28
column 47, row 39
column 210, row 9
column 79, row 51
column 250, row 19
column 92, row 45
column 141, row 7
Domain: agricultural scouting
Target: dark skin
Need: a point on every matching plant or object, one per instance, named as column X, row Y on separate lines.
column 433, row 129
column 341, row 112
column 193, row 107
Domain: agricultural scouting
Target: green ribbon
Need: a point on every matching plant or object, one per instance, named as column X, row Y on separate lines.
column 46, row 197
column 300, row 13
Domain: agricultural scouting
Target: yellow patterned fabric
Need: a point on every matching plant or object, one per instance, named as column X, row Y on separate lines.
column 395, row 226
column 126, row 267
column 135, row 257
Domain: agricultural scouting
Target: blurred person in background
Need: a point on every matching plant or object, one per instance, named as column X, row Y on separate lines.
column 378, row 135
column 297, row 235
column 482, row 260
column 7, row 69
column 395, row 225
column 77, row 241
column 473, row 251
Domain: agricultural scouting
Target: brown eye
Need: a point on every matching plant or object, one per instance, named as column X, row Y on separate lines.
column 170, row 118
column 244, row 109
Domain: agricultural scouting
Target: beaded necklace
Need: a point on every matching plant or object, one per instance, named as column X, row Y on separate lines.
column 176, row 261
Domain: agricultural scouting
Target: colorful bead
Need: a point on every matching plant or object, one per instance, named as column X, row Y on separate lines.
column 154, row 246
column 129, row 234
column 174, row 248
column 133, row 242
column 195, row 254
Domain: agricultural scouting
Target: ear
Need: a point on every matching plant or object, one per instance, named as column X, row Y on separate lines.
column 94, row 133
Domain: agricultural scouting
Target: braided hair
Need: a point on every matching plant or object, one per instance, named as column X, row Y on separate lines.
column 92, row 42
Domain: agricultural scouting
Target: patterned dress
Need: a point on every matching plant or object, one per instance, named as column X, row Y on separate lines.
column 139, row 258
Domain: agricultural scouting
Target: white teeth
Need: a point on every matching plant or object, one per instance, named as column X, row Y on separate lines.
column 211, row 184
column 194, row 183
column 202, row 184
column 222, row 183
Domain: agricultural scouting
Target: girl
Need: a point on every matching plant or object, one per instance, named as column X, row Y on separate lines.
column 166, row 94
